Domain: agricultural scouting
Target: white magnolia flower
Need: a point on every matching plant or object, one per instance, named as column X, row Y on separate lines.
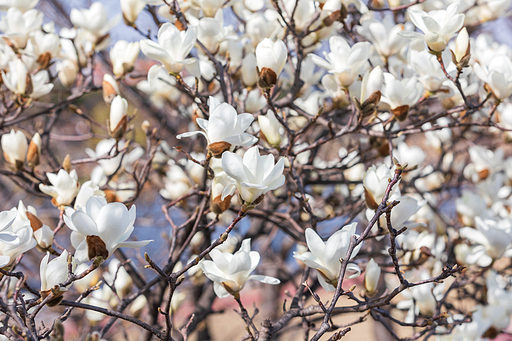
column 15, row 237
column 123, row 56
column 54, row 272
column 64, row 187
column 270, row 127
column 101, row 228
column 22, row 83
column 43, row 234
column 131, row 10
column 44, row 47
column 22, row 5
column 210, row 7
column 249, row 70
column 400, row 95
column 345, row 62
column 17, row 25
column 254, row 101
column 211, row 31
column 371, row 276
column 172, row 48
column 159, row 86
column 110, row 165
column 87, row 190
column 325, row 257
column 94, row 21
column 462, row 46
column 375, row 182
column 118, row 117
column 427, row 68
column 438, row 27
column 497, row 75
column 254, row 175
column 229, row 272
column 491, row 240
column 224, row 129
column 15, row 148
column 384, row 35
column 270, row 57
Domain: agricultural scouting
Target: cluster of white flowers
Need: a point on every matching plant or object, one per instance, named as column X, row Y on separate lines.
column 385, row 123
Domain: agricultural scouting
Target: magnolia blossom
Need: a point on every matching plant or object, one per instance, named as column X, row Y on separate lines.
column 113, row 160
column 325, row 257
column 249, row 70
column 462, row 49
column 172, row 48
column 15, row 237
column 64, row 187
column 229, row 272
column 54, row 272
column 22, row 83
column 123, row 55
column 17, row 25
column 491, row 240
column 15, row 147
column 44, row 47
column 22, row 5
column 94, row 21
column 400, row 95
column 371, row 276
column 497, row 75
column 253, row 175
column 438, row 26
column 224, row 129
column 100, row 228
column 384, row 35
column 159, row 86
column 110, row 88
column 118, row 117
column 427, row 68
column 43, row 234
column 344, row 61
column 270, row 127
column 131, row 10
column 270, row 57
column 375, row 181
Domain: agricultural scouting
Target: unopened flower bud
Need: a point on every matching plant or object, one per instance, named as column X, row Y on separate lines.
column 15, row 147
column 34, row 150
column 118, row 117
column 110, row 88
column 270, row 126
column 371, row 277
column 461, row 55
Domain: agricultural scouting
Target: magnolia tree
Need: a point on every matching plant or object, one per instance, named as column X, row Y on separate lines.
column 254, row 169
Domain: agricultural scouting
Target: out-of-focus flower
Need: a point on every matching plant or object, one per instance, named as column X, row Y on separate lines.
column 438, row 27
column 400, row 95
column 211, row 31
column 43, row 234
column 52, row 274
column 270, row 57
column 491, row 240
column 131, row 10
column 229, row 272
column 224, row 129
column 375, row 182
column 34, row 150
column 384, row 35
column 254, row 175
column 254, row 101
column 371, row 277
column 17, row 25
column 427, row 68
column 118, row 117
column 22, row 5
column 45, row 47
column 160, row 86
column 210, row 7
column 94, row 21
column 110, row 88
column 172, row 48
column 22, row 83
column 325, row 257
column 64, row 187
column 249, row 71
column 15, row 147
column 345, row 62
column 497, row 75
column 101, row 228
column 270, row 127
column 123, row 56
column 111, row 164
